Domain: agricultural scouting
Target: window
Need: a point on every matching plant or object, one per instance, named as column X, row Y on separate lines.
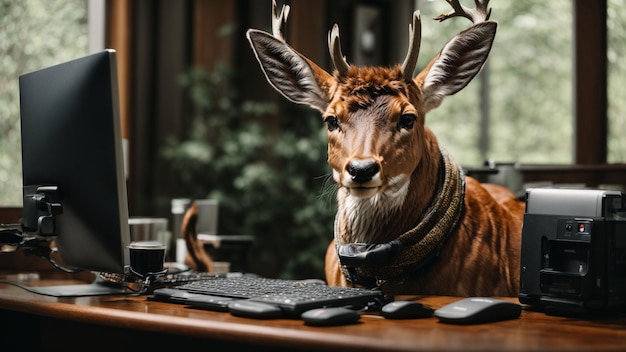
column 33, row 34
column 526, row 86
column 616, row 28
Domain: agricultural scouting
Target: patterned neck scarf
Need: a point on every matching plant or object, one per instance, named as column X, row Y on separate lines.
column 420, row 245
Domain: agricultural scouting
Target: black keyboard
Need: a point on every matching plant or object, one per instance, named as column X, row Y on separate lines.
column 292, row 296
column 183, row 278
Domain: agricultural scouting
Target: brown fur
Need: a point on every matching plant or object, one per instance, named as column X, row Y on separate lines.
column 480, row 258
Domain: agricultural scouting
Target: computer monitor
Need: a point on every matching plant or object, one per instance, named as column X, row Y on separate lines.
column 73, row 165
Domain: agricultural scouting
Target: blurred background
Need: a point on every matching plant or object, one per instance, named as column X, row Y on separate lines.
column 202, row 122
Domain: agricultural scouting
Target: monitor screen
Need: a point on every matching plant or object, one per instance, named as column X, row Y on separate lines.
column 71, row 140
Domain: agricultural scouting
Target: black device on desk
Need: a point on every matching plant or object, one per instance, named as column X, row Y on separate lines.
column 574, row 250
column 292, row 296
column 406, row 310
column 477, row 310
column 73, row 169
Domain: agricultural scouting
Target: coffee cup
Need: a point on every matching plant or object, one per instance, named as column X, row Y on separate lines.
column 146, row 257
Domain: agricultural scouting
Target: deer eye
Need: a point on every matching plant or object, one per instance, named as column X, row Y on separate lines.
column 406, row 121
column 332, row 123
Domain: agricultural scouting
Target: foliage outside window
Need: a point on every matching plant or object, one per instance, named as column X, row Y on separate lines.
column 33, row 34
column 529, row 85
column 271, row 178
column 616, row 27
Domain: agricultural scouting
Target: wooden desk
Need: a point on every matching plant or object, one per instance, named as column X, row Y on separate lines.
column 37, row 322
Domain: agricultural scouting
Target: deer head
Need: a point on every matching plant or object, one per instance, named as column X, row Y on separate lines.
column 379, row 149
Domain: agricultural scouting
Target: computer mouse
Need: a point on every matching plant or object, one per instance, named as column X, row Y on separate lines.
column 406, row 310
column 330, row 316
column 476, row 310
column 251, row 309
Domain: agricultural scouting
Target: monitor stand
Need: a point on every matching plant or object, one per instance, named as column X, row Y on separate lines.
column 98, row 287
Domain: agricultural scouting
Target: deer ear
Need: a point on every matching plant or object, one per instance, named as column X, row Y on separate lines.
column 290, row 73
column 457, row 64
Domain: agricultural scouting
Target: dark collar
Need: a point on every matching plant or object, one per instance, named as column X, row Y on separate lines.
column 417, row 248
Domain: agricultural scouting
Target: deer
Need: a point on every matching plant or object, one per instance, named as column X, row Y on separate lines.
column 409, row 221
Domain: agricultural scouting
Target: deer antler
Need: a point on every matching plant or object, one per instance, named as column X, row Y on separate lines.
column 415, row 38
column 334, row 46
column 478, row 14
column 279, row 20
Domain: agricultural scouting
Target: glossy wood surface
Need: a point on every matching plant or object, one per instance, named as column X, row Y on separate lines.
column 157, row 321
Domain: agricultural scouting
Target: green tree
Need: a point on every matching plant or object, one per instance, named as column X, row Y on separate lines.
column 616, row 26
column 33, row 34
column 530, row 85
column 270, row 179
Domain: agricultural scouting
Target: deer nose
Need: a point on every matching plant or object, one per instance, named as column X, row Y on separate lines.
column 362, row 170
